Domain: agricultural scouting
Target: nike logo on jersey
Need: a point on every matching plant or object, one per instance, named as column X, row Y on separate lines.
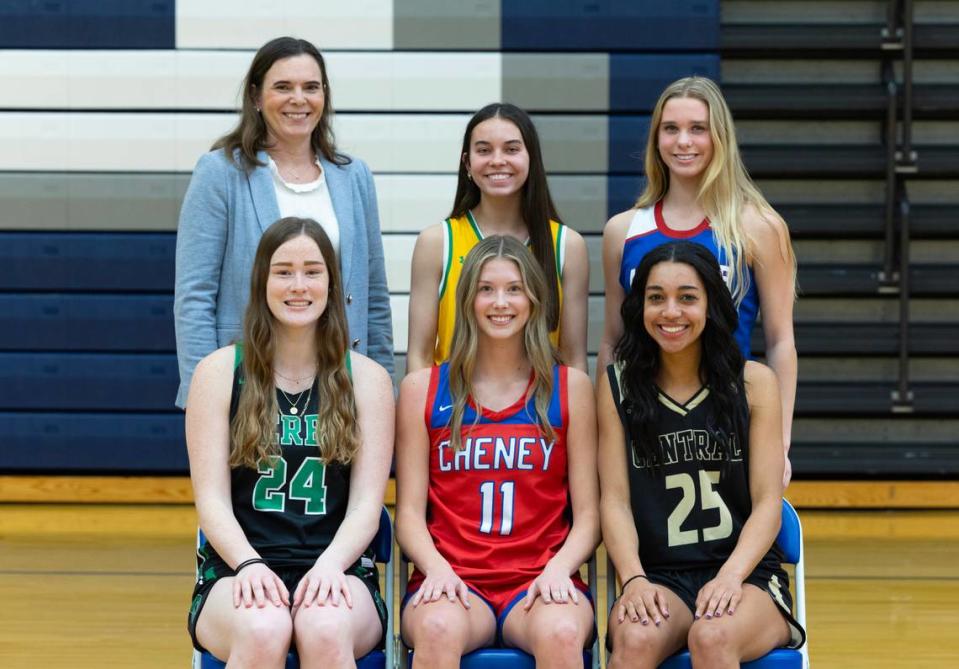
column 444, row 407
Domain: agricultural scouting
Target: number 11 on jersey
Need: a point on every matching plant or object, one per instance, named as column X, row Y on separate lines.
column 488, row 494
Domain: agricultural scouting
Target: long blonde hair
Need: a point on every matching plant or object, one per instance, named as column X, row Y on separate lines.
column 253, row 428
column 539, row 350
column 726, row 189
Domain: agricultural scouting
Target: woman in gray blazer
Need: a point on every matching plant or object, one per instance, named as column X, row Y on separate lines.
column 280, row 160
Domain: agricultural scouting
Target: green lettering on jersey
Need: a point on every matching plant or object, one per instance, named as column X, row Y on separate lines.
column 310, row 438
column 309, row 484
column 266, row 492
column 290, row 435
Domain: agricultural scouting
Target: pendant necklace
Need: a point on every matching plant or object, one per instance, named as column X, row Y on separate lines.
column 293, row 410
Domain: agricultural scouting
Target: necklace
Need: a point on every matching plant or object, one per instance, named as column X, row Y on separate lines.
column 292, row 380
column 295, row 174
column 293, row 409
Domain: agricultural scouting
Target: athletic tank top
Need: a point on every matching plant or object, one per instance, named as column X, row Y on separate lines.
column 290, row 507
column 460, row 235
column 500, row 504
column 690, row 510
column 648, row 230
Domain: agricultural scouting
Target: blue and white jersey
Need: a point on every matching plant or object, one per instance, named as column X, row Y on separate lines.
column 648, row 230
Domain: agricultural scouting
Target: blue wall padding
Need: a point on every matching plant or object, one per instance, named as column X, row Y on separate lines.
column 87, row 24
column 102, row 443
column 622, row 191
column 605, row 25
column 87, row 261
column 86, row 322
column 627, row 142
column 635, row 81
column 87, row 382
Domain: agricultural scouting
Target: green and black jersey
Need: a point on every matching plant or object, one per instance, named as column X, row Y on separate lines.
column 291, row 506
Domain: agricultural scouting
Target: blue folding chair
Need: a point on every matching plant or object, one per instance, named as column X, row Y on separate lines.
column 791, row 543
column 504, row 658
column 382, row 552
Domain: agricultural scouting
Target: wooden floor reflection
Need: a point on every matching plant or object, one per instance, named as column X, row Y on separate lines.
column 108, row 586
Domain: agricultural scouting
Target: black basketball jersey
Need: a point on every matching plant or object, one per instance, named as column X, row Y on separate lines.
column 291, row 506
column 690, row 509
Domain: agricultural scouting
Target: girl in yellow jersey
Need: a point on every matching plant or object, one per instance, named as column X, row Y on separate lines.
column 501, row 190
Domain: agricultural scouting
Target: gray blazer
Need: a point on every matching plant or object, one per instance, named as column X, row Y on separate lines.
column 225, row 211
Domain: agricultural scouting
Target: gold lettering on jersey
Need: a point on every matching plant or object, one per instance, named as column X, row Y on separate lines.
column 496, row 453
column 687, row 445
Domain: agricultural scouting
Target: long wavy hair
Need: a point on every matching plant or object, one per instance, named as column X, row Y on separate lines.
column 721, row 362
column 253, row 429
column 539, row 350
column 251, row 134
column 537, row 206
column 726, row 189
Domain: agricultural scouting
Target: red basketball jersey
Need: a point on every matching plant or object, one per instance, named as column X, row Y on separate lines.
column 498, row 508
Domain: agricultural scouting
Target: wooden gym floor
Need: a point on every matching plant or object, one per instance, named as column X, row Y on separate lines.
column 106, row 585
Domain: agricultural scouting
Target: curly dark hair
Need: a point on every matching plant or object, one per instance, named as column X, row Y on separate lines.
column 721, row 364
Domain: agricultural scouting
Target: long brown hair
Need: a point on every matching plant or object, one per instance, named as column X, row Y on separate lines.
column 537, row 206
column 726, row 188
column 251, row 134
column 253, row 429
column 539, row 349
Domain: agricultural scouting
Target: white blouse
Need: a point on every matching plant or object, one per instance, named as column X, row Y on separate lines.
column 310, row 200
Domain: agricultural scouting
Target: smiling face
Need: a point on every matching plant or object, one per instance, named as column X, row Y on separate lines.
column 685, row 144
column 298, row 284
column 674, row 306
column 502, row 306
column 498, row 161
column 292, row 99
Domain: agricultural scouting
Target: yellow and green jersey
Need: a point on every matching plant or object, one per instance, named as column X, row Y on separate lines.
column 460, row 235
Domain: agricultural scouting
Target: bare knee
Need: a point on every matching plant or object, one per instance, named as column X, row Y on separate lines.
column 711, row 639
column 634, row 646
column 560, row 637
column 438, row 629
column 263, row 636
column 323, row 635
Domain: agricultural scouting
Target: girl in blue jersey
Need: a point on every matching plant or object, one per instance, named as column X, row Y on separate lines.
column 689, row 463
column 698, row 189
column 290, row 437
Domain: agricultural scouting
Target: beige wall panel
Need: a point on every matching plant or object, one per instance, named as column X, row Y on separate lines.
column 247, row 24
column 211, row 80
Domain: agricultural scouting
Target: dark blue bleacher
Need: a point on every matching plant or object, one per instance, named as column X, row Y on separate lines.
column 87, row 261
column 94, row 443
column 86, row 322
column 87, row 24
column 610, row 25
column 636, row 80
column 109, row 382
column 627, row 143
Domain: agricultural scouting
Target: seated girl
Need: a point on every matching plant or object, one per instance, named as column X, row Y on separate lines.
column 691, row 466
column 496, row 470
column 290, row 437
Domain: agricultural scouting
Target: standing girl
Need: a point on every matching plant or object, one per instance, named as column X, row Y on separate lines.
column 697, row 189
column 501, row 190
